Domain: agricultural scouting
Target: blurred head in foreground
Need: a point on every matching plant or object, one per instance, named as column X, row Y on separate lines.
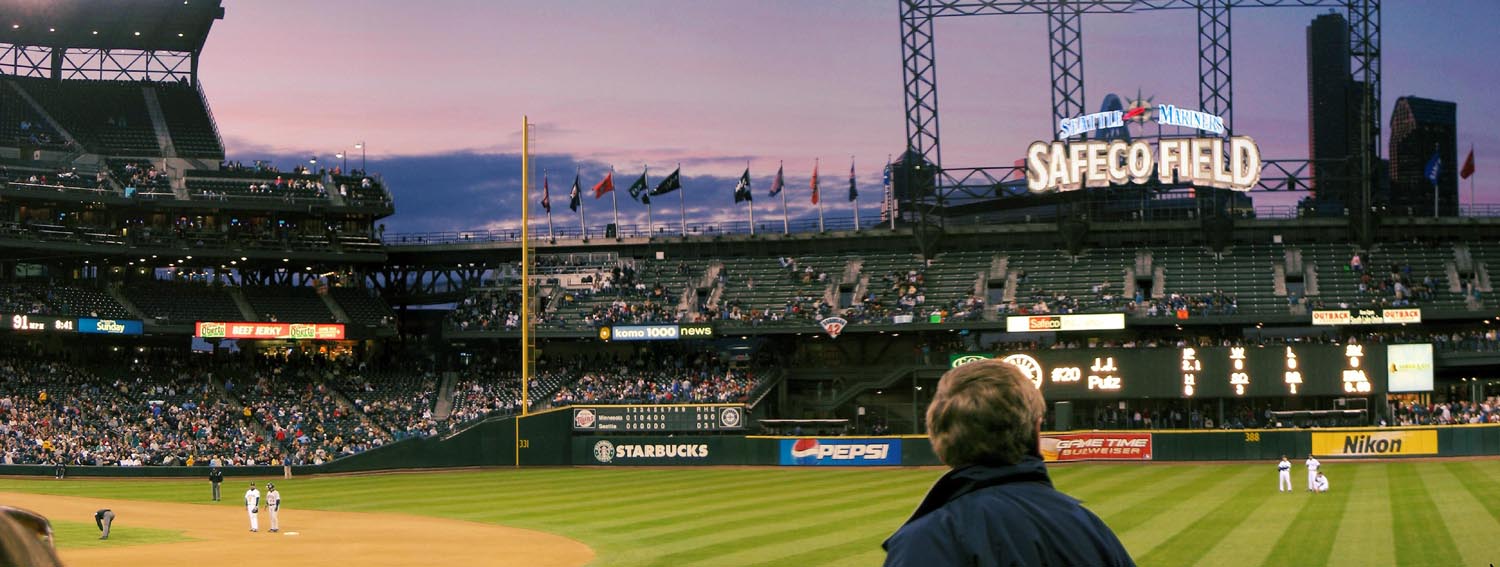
column 985, row 413
column 997, row 505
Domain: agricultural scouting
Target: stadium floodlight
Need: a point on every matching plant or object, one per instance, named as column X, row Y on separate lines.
column 360, row 145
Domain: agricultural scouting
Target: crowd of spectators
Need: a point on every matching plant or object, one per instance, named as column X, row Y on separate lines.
column 58, row 413
column 1451, row 413
column 658, row 376
column 292, row 398
column 61, row 178
column 487, row 310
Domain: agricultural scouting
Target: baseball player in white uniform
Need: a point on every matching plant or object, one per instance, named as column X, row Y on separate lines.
column 1284, row 475
column 1312, row 472
column 1320, row 484
column 273, row 505
column 252, row 505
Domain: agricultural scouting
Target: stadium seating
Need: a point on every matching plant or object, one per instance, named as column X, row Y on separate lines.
column 182, row 303
column 108, row 117
column 187, row 117
column 288, row 304
column 47, row 299
column 363, row 307
column 20, row 124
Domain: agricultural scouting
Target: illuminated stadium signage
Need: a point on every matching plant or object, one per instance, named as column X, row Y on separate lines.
column 1366, row 316
column 1356, row 381
column 42, row 323
column 1199, row 372
column 87, row 325
column 1409, row 368
column 1044, row 323
column 655, row 332
column 110, row 326
column 1166, row 115
column 1232, row 163
column 246, row 330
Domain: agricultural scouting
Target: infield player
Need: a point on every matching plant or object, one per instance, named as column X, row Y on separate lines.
column 252, row 505
column 273, row 505
column 1284, row 474
column 1320, row 484
column 1312, row 472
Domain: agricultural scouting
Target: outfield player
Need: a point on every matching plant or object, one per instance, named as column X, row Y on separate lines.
column 252, row 505
column 1284, row 474
column 273, row 505
column 1312, row 472
column 1320, row 484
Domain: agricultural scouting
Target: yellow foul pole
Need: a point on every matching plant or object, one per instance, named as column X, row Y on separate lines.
column 526, row 318
column 526, row 345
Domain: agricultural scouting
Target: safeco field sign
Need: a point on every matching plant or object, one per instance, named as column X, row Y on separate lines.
column 1375, row 443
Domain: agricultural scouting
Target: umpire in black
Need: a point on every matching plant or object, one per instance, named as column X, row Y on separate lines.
column 997, row 506
column 215, row 476
column 103, row 519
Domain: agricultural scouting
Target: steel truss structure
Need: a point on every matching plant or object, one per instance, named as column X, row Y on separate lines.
column 98, row 64
column 1065, row 49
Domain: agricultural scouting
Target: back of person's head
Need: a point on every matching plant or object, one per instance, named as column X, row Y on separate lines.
column 25, row 539
column 984, row 413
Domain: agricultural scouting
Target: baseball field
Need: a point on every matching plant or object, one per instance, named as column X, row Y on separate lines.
column 1383, row 513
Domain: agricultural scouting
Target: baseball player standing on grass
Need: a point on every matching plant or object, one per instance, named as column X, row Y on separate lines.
column 252, row 505
column 1312, row 472
column 273, row 505
column 215, row 476
column 1284, row 471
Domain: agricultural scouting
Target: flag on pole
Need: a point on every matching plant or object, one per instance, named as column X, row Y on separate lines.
column 1433, row 166
column 574, row 196
column 853, row 192
column 672, row 183
column 815, row 184
column 1468, row 168
column 606, row 186
column 546, row 195
column 638, row 189
column 742, row 189
column 778, row 183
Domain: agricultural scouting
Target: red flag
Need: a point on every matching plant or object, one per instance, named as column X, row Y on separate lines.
column 815, row 183
column 1468, row 168
column 605, row 186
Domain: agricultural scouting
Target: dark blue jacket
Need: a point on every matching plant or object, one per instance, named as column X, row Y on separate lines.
column 982, row 516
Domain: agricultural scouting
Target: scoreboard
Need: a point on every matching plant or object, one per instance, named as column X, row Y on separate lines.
column 659, row 418
column 1202, row 372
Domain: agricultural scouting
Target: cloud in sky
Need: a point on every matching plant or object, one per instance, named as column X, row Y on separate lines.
column 720, row 82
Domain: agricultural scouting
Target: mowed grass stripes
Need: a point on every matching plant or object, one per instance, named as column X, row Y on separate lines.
column 1406, row 513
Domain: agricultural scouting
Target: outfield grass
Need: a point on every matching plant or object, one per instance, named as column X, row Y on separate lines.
column 68, row 534
column 1402, row 513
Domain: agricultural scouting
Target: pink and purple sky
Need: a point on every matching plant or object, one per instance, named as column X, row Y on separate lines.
column 437, row 89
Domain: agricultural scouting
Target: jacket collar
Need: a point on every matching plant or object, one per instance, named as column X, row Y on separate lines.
column 961, row 481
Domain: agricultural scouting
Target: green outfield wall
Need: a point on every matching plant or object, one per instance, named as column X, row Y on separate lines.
column 547, row 439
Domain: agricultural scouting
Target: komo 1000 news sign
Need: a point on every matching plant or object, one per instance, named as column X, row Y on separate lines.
column 1200, row 372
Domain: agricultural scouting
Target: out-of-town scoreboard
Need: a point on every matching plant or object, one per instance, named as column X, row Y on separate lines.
column 659, row 418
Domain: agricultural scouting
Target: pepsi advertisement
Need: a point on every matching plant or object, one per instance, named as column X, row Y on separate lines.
column 814, row 452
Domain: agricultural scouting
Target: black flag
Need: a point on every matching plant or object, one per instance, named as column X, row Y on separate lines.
column 742, row 190
column 672, row 183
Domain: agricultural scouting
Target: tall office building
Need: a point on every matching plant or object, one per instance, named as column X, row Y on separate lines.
column 1421, row 128
column 1329, row 93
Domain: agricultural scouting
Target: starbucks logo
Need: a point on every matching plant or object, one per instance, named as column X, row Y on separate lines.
column 604, row 451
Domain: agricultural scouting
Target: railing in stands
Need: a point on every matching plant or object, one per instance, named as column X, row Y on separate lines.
column 563, row 229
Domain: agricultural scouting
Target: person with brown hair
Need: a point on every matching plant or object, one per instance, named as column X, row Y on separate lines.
column 996, row 506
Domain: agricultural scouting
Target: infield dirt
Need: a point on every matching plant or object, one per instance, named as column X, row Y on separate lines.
column 221, row 537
